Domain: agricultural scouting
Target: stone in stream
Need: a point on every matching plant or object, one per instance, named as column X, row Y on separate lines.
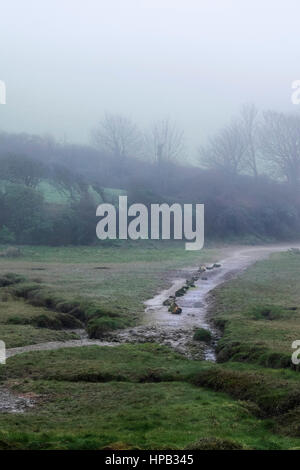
column 175, row 309
column 190, row 283
column 181, row 292
column 170, row 300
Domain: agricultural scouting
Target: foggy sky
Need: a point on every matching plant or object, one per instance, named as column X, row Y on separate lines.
column 66, row 62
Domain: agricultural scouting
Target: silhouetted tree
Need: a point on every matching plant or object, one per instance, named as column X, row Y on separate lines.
column 226, row 151
column 165, row 142
column 280, row 145
column 249, row 124
column 119, row 136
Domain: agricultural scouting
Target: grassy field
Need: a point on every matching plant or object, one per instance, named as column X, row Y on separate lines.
column 260, row 312
column 147, row 396
column 142, row 396
column 117, row 279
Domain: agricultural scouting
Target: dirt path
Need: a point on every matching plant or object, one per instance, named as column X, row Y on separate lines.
column 177, row 331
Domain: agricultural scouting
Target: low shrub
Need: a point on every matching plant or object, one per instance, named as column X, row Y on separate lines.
column 96, row 311
column 97, row 327
column 76, row 309
column 10, row 279
column 44, row 298
column 201, row 334
column 47, row 321
column 24, row 289
column 68, row 321
column 56, row 321
column 66, row 306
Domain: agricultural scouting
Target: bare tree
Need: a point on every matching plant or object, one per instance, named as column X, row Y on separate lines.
column 165, row 142
column 119, row 136
column 226, row 151
column 249, row 124
column 280, row 145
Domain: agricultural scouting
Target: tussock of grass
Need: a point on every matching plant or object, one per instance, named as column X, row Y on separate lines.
column 201, row 334
column 97, row 327
column 57, row 321
column 9, row 279
column 25, row 289
column 255, row 353
column 66, row 314
column 273, row 395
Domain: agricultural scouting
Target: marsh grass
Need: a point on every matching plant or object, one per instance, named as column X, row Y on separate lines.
column 131, row 396
column 147, row 396
column 259, row 312
column 104, row 285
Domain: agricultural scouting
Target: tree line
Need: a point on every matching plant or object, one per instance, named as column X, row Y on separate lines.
column 252, row 143
column 247, row 176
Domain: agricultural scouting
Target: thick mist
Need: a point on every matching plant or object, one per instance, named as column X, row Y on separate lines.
column 67, row 62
